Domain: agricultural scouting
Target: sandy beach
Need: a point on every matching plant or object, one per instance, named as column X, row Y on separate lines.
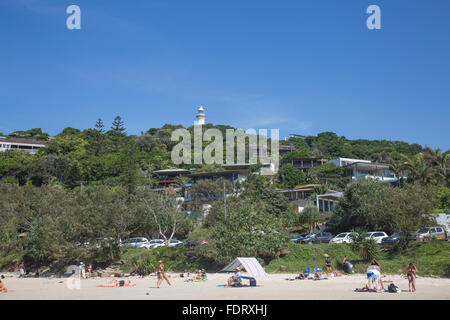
column 273, row 287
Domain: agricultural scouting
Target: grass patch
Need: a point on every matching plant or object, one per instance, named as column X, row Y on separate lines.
column 9, row 260
column 432, row 258
column 177, row 259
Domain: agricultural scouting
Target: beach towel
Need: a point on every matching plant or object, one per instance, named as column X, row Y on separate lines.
column 116, row 285
column 364, row 290
column 236, row 286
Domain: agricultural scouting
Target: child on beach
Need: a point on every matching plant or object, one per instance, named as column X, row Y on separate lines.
column 411, row 271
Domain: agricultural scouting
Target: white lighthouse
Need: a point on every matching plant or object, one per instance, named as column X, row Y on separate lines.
column 200, row 116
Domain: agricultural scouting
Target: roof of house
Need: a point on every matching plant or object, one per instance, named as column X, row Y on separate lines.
column 220, row 173
column 23, row 141
column 171, row 170
column 367, row 165
column 321, row 159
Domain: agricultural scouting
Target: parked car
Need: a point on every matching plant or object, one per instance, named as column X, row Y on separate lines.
column 345, row 237
column 434, row 233
column 175, row 243
column 395, row 238
column 139, row 242
column 156, row 243
column 317, row 237
column 378, row 236
column 296, row 238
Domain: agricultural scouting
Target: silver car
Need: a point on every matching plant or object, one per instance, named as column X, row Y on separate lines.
column 139, row 242
column 156, row 243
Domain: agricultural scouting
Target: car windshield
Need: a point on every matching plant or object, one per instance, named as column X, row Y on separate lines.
column 341, row 235
column 155, row 241
column 423, row 230
column 173, row 241
column 311, row 235
column 368, row 234
column 396, row 235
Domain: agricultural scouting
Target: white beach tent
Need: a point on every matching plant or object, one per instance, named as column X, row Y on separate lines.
column 251, row 265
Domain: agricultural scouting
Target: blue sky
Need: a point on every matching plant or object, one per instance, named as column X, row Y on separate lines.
column 301, row 66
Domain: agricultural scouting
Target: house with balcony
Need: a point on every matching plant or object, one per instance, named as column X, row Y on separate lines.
column 168, row 177
column 364, row 169
column 303, row 196
column 21, row 144
column 304, row 164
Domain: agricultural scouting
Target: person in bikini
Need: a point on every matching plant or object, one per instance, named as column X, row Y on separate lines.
column 2, row 287
column 161, row 274
column 328, row 266
column 411, row 271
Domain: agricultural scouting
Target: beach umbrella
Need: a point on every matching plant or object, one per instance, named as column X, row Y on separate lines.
column 250, row 265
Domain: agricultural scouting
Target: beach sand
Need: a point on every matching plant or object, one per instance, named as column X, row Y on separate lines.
column 274, row 287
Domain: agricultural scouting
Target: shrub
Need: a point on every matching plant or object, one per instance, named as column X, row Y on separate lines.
column 366, row 248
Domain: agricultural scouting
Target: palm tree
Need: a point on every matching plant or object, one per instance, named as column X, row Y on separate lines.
column 398, row 169
column 183, row 183
column 419, row 171
column 440, row 163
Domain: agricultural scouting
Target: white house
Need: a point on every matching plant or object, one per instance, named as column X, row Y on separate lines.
column 28, row 145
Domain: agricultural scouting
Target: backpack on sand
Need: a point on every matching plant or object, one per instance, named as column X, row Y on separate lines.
column 393, row 288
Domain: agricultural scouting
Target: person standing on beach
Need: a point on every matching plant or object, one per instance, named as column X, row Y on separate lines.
column 328, row 266
column 90, row 270
column 375, row 268
column 411, row 271
column 82, row 270
column 21, row 270
column 161, row 273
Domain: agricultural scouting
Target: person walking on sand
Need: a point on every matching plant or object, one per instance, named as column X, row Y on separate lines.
column 90, row 270
column 411, row 271
column 161, row 273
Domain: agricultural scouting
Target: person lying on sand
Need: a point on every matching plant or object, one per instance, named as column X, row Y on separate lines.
column 300, row 276
column 114, row 284
column 198, row 276
column 235, row 278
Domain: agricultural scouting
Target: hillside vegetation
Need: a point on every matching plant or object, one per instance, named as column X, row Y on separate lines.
column 432, row 258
